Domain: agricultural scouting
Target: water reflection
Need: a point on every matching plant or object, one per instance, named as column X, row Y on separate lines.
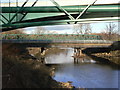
column 87, row 75
column 83, row 72
column 66, row 57
column 83, row 60
column 60, row 58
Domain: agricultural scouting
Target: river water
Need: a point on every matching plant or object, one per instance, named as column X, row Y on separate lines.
column 83, row 72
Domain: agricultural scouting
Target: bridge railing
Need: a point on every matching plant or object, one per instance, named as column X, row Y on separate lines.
column 51, row 37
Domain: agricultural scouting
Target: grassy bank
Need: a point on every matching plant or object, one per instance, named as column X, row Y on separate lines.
column 20, row 70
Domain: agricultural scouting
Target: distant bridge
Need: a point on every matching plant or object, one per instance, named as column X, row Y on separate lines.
column 61, row 43
column 51, row 37
column 51, row 40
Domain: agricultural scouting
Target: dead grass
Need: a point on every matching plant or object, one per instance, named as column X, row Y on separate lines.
column 113, row 56
column 20, row 71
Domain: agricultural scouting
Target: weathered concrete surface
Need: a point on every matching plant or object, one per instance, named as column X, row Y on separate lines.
column 63, row 43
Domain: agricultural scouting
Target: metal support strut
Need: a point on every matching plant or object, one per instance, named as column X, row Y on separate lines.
column 27, row 13
column 17, row 12
column 70, row 16
column 83, row 12
column 4, row 17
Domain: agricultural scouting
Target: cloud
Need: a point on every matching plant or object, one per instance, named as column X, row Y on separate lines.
column 67, row 1
column 59, row 27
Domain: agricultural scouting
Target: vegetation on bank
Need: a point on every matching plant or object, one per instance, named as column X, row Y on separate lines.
column 111, row 53
column 113, row 56
column 20, row 70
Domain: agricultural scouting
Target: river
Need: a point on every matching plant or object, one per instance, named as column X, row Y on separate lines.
column 83, row 72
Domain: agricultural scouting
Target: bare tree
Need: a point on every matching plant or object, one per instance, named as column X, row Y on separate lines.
column 110, row 30
column 82, row 28
column 87, row 28
column 78, row 29
column 40, row 30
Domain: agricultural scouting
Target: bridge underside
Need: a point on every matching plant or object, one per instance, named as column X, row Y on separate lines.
column 60, row 43
column 21, row 17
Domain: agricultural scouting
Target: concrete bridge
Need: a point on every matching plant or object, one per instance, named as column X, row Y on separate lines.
column 61, row 43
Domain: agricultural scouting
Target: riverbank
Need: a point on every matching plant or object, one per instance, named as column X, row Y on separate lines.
column 22, row 70
column 111, row 53
column 113, row 56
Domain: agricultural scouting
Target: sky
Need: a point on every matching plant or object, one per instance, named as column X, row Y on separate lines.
column 68, row 29
column 96, row 27
column 61, row 2
column 67, row 1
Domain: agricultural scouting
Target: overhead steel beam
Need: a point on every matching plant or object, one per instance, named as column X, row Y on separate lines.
column 64, row 17
column 83, row 12
column 2, row 21
column 21, row 8
column 69, row 15
column 54, row 22
column 70, row 9
column 27, row 12
column 4, row 17
column 57, row 18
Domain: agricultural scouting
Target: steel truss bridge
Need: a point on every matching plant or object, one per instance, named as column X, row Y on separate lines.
column 15, row 17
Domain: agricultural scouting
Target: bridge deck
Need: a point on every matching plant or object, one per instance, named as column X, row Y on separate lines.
column 64, row 43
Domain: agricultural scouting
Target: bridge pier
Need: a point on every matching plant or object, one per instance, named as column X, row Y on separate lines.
column 43, row 50
column 78, row 52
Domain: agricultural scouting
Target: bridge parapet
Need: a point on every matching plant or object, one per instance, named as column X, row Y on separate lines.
column 66, row 40
column 61, row 43
column 51, row 37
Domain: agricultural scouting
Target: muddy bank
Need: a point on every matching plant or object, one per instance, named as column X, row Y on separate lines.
column 21, row 70
column 113, row 56
column 111, row 53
